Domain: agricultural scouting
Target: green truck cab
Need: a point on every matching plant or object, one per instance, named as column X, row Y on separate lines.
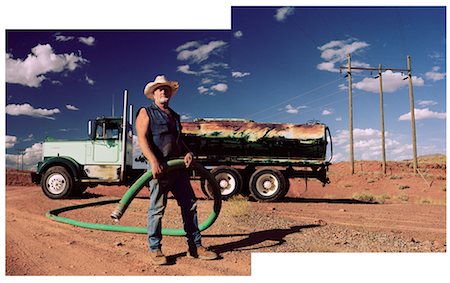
column 70, row 167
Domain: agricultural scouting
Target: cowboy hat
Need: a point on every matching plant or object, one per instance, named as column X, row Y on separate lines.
column 160, row 81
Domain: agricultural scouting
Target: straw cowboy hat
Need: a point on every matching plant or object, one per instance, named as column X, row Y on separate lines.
column 160, row 81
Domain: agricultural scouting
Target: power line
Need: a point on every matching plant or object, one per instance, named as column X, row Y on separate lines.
column 309, row 110
column 292, row 98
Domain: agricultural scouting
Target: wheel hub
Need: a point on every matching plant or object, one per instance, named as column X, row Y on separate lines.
column 226, row 182
column 267, row 185
column 56, row 183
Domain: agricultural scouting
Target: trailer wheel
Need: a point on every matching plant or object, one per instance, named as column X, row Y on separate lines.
column 57, row 183
column 268, row 185
column 229, row 180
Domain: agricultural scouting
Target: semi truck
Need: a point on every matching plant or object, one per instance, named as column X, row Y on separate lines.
column 244, row 156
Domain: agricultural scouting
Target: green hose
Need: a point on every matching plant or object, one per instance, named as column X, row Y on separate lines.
column 125, row 201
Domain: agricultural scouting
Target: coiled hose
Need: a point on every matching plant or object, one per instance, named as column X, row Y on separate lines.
column 124, row 202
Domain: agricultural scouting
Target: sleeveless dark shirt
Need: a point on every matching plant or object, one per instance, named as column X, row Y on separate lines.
column 163, row 133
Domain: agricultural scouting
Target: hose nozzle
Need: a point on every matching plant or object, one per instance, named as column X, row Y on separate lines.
column 117, row 212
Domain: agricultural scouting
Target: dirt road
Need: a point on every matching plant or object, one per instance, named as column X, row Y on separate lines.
column 36, row 245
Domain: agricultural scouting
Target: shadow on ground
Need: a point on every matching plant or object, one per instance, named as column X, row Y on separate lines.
column 325, row 200
column 254, row 238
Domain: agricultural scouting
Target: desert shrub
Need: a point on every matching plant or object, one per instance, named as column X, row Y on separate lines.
column 403, row 187
column 395, row 177
column 363, row 196
column 382, row 198
column 403, row 197
column 237, row 206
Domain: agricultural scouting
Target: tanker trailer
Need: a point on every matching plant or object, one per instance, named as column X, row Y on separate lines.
column 259, row 158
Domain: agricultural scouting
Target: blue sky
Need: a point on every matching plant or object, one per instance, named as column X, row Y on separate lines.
column 276, row 64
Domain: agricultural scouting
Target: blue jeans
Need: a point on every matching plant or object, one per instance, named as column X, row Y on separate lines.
column 178, row 183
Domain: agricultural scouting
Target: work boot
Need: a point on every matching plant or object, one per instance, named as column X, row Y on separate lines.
column 158, row 257
column 201, row 253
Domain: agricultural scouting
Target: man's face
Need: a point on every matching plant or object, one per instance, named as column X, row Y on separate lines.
column 162, row 94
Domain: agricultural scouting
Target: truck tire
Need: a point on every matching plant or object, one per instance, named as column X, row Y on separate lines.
column 229, row 180
column 79, row 189
column 267, row 185
column 57, row 183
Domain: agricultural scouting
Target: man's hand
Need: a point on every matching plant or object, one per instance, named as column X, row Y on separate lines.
column 188, row 159
column 157, row 169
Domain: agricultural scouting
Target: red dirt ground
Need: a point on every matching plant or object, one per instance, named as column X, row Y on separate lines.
column 364, row 212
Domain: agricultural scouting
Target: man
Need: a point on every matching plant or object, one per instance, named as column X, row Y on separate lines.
column 158, row 129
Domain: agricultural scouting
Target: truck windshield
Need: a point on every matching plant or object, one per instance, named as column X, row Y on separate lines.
column 107, row 131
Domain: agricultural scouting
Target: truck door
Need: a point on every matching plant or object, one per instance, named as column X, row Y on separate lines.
column 106, row 145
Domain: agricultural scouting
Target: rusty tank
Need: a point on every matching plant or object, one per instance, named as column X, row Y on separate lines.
column 246, row 139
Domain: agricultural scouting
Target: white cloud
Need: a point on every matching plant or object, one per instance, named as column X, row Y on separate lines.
column 28, row 110
column 436, row 56
column 367, row 145
column 30, row 72
column 426, row 102
column 343, row 135
column 205, row 69
column 185, row 117
column 211, row 67
column 201, row 89
column 221, row 87
column 202, row 52
column 282, row 13
column 87, row 40
column 71, row 107
column 89, row 80
column 327, row 112
column 343, row 87
column 10, row 141
column 422, row 114
column 28, row 138
column 60, row 37
column 32, row 155
column 188, row 45
column 291, row 109
column 338, row 119
column 185, row 69
column 239, row 74
column 391, row 82
column 238, row 34
column 434, row 74
column 206, row 81
column 336, row 51
column 327, row 66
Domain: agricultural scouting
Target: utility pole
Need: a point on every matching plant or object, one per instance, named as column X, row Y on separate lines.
column 413, row 116
column 383, row 148
column 350, row 107
column 20, row 154
column 411, row 100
